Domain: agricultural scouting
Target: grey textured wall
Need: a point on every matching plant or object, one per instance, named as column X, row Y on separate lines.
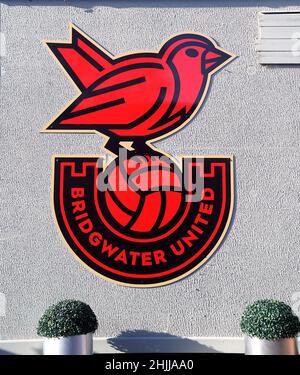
column 252, row 112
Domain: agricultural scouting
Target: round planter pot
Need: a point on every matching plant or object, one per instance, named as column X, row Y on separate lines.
column 71, row 345
column 256, row 346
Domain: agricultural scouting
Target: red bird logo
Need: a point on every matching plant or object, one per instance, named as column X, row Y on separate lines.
column 138, row 97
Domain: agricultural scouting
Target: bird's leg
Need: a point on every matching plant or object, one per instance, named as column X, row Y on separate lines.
column 113, row 146
column 142, row 148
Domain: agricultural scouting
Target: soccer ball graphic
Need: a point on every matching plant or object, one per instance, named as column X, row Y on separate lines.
column 143, row 195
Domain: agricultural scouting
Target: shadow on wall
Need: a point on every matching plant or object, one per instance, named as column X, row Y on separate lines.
column 140, row 341
column 38, row 351
column 89, row 4
column 4, row 352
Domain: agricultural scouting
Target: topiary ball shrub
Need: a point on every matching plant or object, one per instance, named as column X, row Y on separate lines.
column 269, row 320
column 67, row 318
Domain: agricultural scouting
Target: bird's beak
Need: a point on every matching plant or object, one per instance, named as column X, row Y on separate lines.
column 216, row 58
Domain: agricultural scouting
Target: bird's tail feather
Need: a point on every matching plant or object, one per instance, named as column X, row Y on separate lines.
column 81, row 58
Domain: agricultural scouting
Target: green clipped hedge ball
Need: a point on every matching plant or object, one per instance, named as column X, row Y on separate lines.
column 269, row 320
column 67, row 318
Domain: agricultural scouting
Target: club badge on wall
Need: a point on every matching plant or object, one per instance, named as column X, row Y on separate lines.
column 145, row 219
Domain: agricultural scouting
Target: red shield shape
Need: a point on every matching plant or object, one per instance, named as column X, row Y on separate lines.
column 161, row 240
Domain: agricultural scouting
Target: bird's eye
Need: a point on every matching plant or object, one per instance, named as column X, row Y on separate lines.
column 191, row 52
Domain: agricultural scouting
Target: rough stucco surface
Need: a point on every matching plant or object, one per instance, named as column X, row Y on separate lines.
column 252, row 112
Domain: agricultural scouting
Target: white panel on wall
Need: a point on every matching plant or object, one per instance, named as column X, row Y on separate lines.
column 279, row 38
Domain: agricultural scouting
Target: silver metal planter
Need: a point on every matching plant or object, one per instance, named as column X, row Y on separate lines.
column 256, row 346
column 71, row 345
